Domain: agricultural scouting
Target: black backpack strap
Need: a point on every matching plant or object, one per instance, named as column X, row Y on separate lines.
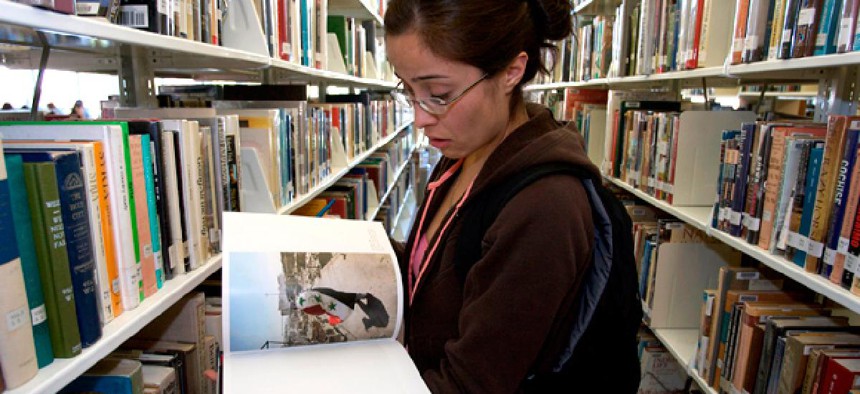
column 482, row 209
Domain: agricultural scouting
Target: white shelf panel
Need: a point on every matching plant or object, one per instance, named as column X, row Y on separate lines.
column 596, row 7
column 304, row 73
column 94, row 32
column 593, row 83
column 699, row 217
column 681, row 342
column 709, row 72
column 813, row 64
column 58, row 374
column 338, row 173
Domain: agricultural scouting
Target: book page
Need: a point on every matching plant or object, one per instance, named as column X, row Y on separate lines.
column 296, row 281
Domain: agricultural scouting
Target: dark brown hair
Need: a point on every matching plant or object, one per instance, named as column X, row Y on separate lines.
column 487, row 34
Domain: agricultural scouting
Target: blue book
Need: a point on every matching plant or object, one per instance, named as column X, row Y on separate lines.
column 747, row 136
column 33, row 283
column 154, row 225
column 75, row 213
column 828, row 27
column 846, row 166
column 646, row 266
column 307, row 51
column 816, row 155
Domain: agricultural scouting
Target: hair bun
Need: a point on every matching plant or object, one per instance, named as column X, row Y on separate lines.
column 552, row 18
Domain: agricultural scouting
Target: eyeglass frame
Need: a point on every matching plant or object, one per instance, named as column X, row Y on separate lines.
column 400, row 95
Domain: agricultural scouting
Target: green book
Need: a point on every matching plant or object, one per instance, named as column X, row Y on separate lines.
column 53, row 259
column 32, row 280
column 337, row 24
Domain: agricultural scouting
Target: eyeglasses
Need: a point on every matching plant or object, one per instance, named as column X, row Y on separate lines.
column 431, row 105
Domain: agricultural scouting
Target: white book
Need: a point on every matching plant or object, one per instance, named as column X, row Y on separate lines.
column 114, row 136
column 274, row 268
column 176, row 246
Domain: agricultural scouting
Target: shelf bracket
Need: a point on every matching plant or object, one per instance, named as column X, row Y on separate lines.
column 43, row 65
column 836, row 94
column 136, row 78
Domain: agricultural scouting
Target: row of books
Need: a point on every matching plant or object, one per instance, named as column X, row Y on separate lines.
column 199, row 20
column 101, row 216
column 663, row 151
column 655, row 36
column 758, row 334
column 294, row 30
column 784, row 29
column 179, row 352
column 360, row 192
column 292, row 144
column 301, row 32
column 792, row 189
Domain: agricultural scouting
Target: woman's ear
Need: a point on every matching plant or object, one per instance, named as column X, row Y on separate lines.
column 514, row 71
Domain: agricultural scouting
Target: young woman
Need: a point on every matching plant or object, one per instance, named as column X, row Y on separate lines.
column 462, row 65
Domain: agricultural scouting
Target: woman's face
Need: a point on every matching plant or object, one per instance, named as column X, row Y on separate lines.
column 475, row 123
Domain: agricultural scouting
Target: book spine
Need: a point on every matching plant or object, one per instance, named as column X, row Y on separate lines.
column 788, row 28
column 97, row 238
column 79, row 246
column 748, row 135
column 829, row 175
column 756, row 207
column 847, row 24
column 806, row 28
column 825, row 39
column 776, row 22
column 162, row 215
column 147, row 260
column 151, row 196
column 181, row 182
column 809, row 199
column 50, row 243
column 24, row 236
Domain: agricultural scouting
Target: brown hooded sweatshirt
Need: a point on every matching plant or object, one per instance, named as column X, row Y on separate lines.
column 514, row 312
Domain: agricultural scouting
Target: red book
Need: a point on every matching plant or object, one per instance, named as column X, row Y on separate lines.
column 840, row 376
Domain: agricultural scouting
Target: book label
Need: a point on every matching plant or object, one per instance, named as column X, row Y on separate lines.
column 815, row 249
column 851, row 262
column 38, row 314
column 806, row 16
column 842, row 246
column 754, row 224
column 829, row 256
column 16, row 319
column 752, row 275
column 735, row 218
column 87, row 8
column 134, row 16
column 844, row 29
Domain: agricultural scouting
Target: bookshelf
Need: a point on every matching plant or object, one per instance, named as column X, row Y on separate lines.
column 92, row 45
column 56, row 375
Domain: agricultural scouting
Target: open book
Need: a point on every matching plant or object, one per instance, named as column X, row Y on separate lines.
column 312, row 303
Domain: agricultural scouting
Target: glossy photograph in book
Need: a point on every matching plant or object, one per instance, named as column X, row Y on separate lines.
column 285, row 299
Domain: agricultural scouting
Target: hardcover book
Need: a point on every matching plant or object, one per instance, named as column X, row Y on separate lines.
column 313, row 306
column 53, row 259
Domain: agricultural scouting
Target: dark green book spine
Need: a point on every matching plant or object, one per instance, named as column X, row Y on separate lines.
column 50, row 242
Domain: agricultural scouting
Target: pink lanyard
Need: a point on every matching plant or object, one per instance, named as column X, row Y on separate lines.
column 413, row 284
